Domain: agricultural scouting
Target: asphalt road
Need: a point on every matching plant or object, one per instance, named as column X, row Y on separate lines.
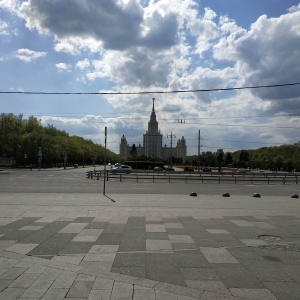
column 75, row 181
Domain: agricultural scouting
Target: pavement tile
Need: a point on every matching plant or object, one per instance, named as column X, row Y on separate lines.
column 181, row 239
column 13, row 273
column 73, row 228
column 211, row 286
column 90, row 239
column 142, row 293
column 104, row 249
column 284, row 290
column 37, row 289
column 242, row 223
column 7, row 243
column 155, row 228
column 253, row 242
column 21, row 248
column 80, row 289
column 158, row 245
column 64, row 280
column 216, row 296
column 36, row 269
column 174, row 225
column 217, row 231
column 200, row 274
column 68, row 259
column 131, row 271
column 100, row 257
column 122, row 290
column 263, row 225
column 99, row 295
column 55, row 294
column 103, row 284
column 130, row 260
column 218, row 255
column 97, row 268
column 253, row 294
column 31, row 227
column 24, row 281
column 8, row 263
column 50, row 274
column 4, row 283
column 11, row 293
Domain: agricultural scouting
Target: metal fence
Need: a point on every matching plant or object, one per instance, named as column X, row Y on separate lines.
column 220, row 177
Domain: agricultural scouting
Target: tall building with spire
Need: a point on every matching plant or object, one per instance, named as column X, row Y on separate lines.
column 152, row 143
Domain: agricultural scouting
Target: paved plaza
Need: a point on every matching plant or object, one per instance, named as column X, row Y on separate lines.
column 89, row 246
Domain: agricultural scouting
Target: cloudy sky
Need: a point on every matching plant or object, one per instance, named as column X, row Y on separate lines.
column 115, row 47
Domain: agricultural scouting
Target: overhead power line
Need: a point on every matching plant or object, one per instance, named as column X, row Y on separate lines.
column 151, row 92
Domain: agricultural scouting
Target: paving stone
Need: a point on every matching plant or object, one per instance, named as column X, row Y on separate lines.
column 6, row 243
column 132, row 271
column 174, row 225
column 109, row 239
column 184, row 246
column 11, row 293
column 142, row 293
column 104, row 249
column 80, row 289
column 208, row 285
column 21, row 248
column 158, row 245
column 100, row 257
column 114, row 228
column 253, row 294
column 284, row 290
column 237, row 276
column 130, row 260
column 218, row 255
column 36, row 269
column 155, row 228
column 97, row 268
column 165, row 274
column 50, row 274
column 76, row 248
column 24, row 281
column 64, row 280
column 53, row 245
column 103, row 284
column 8, row 263
column 55, row 294
column 31, row 227
column 68, row 259
column 4, row 283
column 202, row 274
column 96, row 225
column 180, row 239
column 99, row 295
column 73, row 228
column 37, row 289
column 122, row 291
column 161, row 295
column 83, row 220
column 157, row 236
column 217, row 231
column 13, row 273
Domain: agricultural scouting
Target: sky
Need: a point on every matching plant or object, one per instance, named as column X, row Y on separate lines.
column 117, row 55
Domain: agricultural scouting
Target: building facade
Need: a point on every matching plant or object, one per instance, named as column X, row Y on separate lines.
column 152, row 143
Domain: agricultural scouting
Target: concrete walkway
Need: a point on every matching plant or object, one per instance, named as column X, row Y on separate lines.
column 88, row 246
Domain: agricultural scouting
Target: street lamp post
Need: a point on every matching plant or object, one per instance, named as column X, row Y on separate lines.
column 40, row 158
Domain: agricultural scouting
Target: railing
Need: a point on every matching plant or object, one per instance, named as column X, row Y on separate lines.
column 220, row 177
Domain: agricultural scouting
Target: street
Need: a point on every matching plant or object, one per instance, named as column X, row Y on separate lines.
column 75, row 181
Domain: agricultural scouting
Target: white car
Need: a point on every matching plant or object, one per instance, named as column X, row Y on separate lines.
column 122, row 169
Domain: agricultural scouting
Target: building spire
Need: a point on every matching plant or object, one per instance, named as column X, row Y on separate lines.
column 153, row 99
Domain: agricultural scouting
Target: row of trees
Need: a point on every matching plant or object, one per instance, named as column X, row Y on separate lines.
column 285, row 157
column 21, row 138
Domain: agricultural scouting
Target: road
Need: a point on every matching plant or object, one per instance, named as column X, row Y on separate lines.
column 75, row 181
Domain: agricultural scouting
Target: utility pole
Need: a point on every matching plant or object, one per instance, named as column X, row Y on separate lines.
column 199, row 151
column 171, row 137
column 104, row 177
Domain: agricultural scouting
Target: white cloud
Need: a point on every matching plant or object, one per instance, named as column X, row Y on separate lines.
column 62, row 67
column 83, row 64
column 3, row 28
column 27, row 55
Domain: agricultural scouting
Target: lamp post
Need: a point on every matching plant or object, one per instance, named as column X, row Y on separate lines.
column 40, row 158
column 171, row 137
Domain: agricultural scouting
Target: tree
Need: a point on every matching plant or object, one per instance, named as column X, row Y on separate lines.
column 228, row 158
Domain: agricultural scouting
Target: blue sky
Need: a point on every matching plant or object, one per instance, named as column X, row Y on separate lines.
column 139, row 45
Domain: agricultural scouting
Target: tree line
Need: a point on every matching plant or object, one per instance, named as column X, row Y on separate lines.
column 284, row 157
column 22, row 138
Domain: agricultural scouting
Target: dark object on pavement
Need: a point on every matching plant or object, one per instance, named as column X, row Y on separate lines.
column 193, row 194
column 256, row 195
column 226, row 195
column 295, row 196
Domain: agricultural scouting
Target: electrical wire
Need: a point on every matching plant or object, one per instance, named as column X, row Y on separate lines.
column 151, row 92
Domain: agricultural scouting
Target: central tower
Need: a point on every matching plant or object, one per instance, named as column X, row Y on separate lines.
column 152, row 137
